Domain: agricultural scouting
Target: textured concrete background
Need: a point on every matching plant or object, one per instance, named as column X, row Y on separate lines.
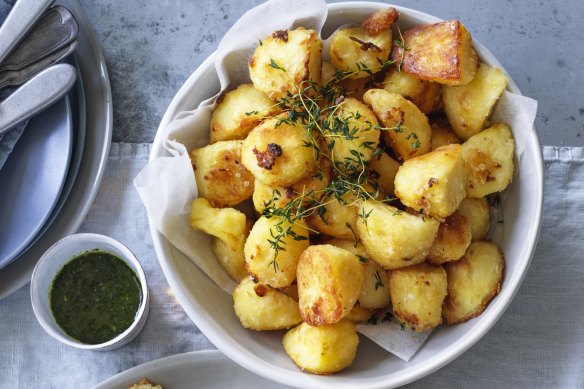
column 152, row 47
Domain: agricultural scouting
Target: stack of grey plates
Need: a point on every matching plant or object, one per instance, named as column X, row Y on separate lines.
column 51, row 176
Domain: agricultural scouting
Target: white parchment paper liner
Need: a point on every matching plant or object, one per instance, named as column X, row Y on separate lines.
column 167, row 186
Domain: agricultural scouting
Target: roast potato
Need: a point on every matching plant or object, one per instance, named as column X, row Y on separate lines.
column 442, row 135
column 221, row 177
column 473, row 281
column 476, row 212
column 336, row 219
column 393, row 238
column 407, row 130
column 440, row 52
column 488, row 159
column 330, row 280
column 424, row 94
column 227, row 224
column 276, row 153
column 260, row 307
column 322, row 350
column 382, row 170
column 433, row 183
column 232, row 260
column 417, row 293
column 284, row 60
column 277, row 268
column 238, row 111
column 454, row 237
column 468, row 106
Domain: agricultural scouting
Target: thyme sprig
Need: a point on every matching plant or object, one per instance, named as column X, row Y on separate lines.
column 318, row 109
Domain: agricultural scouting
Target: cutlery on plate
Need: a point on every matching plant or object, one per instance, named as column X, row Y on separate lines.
column 56, row 30
column 20, row 20
column 36, row 94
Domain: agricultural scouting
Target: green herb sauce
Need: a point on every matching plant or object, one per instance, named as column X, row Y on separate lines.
column 95, row 297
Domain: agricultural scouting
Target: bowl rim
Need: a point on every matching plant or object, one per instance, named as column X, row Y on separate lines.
column 248, row 360
column 127, row 256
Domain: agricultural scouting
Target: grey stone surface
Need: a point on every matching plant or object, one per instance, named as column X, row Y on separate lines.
column 152, row 47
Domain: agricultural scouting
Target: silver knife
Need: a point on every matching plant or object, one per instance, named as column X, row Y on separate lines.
column 36, row 94
column 19, row 21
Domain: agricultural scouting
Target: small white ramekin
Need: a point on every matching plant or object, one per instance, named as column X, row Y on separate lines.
column 50, row 264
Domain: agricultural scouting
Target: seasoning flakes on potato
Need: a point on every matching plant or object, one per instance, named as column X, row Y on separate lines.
column 221, row 177
column 330, row 280
column 441, row 52
column 364, row 49
column 284, row 60
column 275, row 152
column 488, row 159
column 406, row 129
column 473, row 281
column 433, row 183
column 417, row 293
column 325, row 349
column 260, row 307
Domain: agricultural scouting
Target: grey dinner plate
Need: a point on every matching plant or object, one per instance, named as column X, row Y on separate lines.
column 32, row 178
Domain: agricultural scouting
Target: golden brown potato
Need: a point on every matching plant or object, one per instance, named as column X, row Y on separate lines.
column 328, row 72
column 238, row 111
column 468, row 106
column 352, row 49
column 276, row 268
column 432, row 183
column 360, row 134
column 221, row 177
column 417, row 293
column 454, row 237
column 379, row 21
column 375, row 293
column 276, row 153
column 407, row 130
column 442, row 135
column 227, row 224
column 488, row 159
column 330, row 280
column 310, row 188
column 424, row 94
column 473, row 281
column 382, row 171
column 232, row 261
column 284, row 60
column 357, row 88
column 260, row 307
column 476, row 212
column 322, row 350
column 440, row 52
column 393, row 238
column 359, row 314
column 338, row 219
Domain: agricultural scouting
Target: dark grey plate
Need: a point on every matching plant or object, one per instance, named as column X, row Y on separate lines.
column 32, row 178
column 95, row 152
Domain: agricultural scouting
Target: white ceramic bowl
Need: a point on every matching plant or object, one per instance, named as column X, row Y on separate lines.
column 261, row 352
column 50, row 264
